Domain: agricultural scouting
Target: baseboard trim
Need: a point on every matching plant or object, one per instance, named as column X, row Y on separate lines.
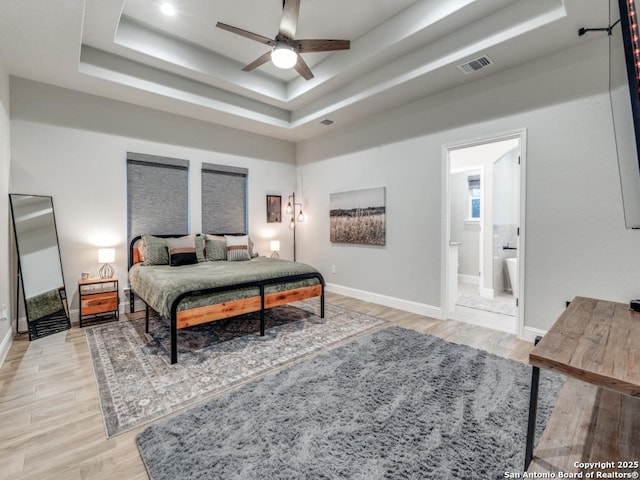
column 5, row 345
column 387, row 301
column 22, row 324
column 471, row 279
column 530, row 333
column 487, row 292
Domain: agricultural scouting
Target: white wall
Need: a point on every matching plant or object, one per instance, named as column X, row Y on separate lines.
column 576, row 240
column 506, row 217
column 73, row 147
column 6, row 332
column 506, row 204
column 461, row 228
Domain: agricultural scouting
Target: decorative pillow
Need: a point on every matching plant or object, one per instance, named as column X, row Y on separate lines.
column 155, row 250
column 201, row 252
column 252, row 254
column 237, row 248
column 215, row 237
column 182, row 251
column 216, row 249
column 142, row 250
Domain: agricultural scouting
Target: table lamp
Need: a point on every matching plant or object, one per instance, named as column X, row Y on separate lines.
column 106, row 256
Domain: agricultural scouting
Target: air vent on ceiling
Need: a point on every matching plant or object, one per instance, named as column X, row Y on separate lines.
column 476, row 64
column 326, row 121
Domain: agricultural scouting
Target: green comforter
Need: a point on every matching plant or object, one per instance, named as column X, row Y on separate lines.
column 160, row 285
column 44, row 304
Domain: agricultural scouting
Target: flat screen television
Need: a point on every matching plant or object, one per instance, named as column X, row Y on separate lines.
column 624, row 89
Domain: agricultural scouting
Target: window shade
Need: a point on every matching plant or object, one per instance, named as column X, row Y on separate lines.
column 474, row 181
column 224, row 199
column 157, row 195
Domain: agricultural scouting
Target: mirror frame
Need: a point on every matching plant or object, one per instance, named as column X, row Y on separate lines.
column 50, row 323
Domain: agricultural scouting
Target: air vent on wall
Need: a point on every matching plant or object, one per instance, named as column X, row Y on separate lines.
column 476, row 64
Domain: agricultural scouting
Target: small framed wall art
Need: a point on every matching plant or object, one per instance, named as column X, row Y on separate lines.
column 274, row 209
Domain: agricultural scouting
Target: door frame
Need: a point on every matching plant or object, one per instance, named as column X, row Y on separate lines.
column 446, row 222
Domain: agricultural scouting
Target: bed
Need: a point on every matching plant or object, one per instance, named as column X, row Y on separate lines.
column 207, row 291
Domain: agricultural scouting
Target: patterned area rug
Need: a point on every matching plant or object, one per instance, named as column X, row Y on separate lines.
column 487, row 304
column 395, row 404
column 137, row 383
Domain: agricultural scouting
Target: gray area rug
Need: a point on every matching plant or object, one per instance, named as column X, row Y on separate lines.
column 395, row 404
column 487, row 304
column 137, row 383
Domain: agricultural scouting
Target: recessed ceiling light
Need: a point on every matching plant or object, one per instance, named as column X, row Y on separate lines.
column 167, row 9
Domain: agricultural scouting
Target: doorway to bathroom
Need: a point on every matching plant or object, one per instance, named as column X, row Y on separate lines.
column 484, row 198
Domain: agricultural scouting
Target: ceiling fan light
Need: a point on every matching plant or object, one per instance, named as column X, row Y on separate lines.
column 167, row 9
column 283, row 56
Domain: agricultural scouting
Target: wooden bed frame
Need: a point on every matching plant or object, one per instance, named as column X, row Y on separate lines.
column 218, row 311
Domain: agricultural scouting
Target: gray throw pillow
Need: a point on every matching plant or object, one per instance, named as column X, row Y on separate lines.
column 216, row 249
column 155, row 250
column 200, row 248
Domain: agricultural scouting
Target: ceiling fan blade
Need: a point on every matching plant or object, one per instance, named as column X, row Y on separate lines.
column 306, row 46
column 289, row 20
column 246, row 34
column 257, row 62
column 303, row 69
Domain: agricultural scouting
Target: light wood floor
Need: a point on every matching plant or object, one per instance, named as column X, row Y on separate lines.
column 50, row 421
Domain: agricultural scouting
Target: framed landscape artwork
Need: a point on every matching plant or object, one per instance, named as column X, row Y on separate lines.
column 358, row 217
column 274, row 209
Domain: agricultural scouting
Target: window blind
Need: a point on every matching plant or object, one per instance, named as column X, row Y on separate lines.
column 474, row 181
column 224, row 199
column 157, row 195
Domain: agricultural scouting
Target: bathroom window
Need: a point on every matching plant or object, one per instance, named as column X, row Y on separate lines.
column 474, row 197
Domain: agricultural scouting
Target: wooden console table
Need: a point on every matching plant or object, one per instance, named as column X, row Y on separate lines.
column 596, row 417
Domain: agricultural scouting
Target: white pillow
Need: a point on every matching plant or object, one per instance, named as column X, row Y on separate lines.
column 237, row 248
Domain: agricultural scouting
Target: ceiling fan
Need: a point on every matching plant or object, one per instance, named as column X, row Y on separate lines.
column 285, row 50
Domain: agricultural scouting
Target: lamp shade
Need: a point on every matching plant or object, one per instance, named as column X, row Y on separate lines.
column 274, row 245
column 106, row 255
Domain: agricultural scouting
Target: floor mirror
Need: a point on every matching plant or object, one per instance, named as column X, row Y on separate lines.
column 39, row 266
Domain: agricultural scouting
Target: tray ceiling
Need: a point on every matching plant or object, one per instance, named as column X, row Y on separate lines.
column 400, row 51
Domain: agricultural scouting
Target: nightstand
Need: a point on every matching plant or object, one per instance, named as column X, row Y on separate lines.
column 99, row 298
